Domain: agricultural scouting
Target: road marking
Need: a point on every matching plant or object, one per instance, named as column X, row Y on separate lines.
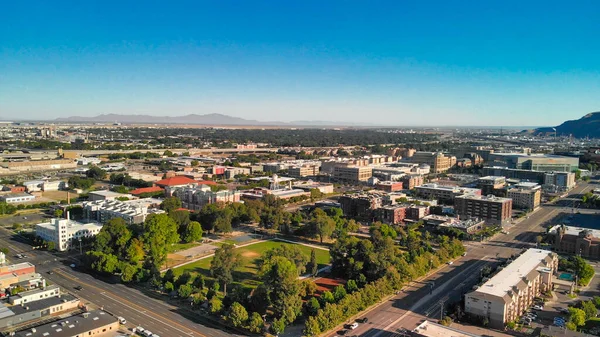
column 138, row 309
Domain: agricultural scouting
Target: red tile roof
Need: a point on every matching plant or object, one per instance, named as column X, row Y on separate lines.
column 152, row 189
column 206, row 182
column 176, row 181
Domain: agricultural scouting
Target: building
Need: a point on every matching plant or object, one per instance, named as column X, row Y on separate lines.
column 232, row 172
column 391, row 214
column 524, row 198
column 443, row 193
column 352, row 173
column 92, row 323
column 303, row 171
column 468, row 226
column 54, row 185
column 431, row 329
column 132, row 211
column 559, row 181
column 65, row 232
column 39, row 165
column 140, row 192
column 307, row 186
column 494, row 210
column 33, row 185
column 411, row 181
column 584, row 242
column 552, row 182
column 389, row 186
column 169, row 184
column 14, row 198
column 13, row 316
column 416, row 212
column 194, row 197
column 13, row 189
column 438, row 162
column 284, row 193
column 493, row 185
column 360, row 205
column 27, row 281
column 105, row 195
column 535, row 162
column 23, row 268
column 509, row 293
column 35, row 295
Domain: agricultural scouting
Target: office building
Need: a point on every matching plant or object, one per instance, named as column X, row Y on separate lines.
column 194, row 197
column 65, row 233
column 417, row 212
column 303, row 171
column 494, row 210
column 559, row 181
column 169, row 184
column 391, row 214
column 389, row 186
column 307, row 186
column 468, row 226
column 411, row 181
column 352, row 173
column 583, row 242
column 132, row 211
column 92, row 323
column 524, row 198
column 509, row 293
column 535, row 162
column 360, row 205
column 438, row 162
column 492, row 185
column 14, row 198
column 23, row 268
column 35, row 295
column 443, row 193
column 18, row 315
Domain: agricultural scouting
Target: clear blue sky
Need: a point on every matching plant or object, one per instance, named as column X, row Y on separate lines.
column 384, row 62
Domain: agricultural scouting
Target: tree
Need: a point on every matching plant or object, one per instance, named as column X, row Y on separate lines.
column 351, row 286
column 313, row 266
column 256, row 323
column 181, row 218
column 4, row 250
column 576, row 316
column 238, row 316
column 95, row 172
column 185, row 291
column 195, row 163
column 291, row 252
column 193, row 232
column 327, row 297
column 339, row 292
column 280, row 278
column 596, row 301
column 225, row 261
column 128, row 272
column 312, row 327
column 312, row 306
column 589, row 309
column 315, row 194
column 51, row 245
column 113, row 237
column 159, row 232
column 278, row 326
column 135, row 251
column 58, row 213
column 170, row 204
column 215, row 305
column 322, row 225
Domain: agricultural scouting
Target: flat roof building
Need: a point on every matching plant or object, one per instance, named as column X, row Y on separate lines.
column 352, row 173
column 13, row 198
column 509, row 293
column 576, row 240
column 525, row 198
column 444, row 193
column 65, row 232
column 535, row 162
column 494, row 210
column 93, row 323
column 132, row 211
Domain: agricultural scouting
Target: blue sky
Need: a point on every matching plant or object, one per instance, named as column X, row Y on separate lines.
column 383, row 62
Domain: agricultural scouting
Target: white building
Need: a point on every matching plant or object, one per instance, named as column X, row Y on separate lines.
column 33, row 185
column 65, row 232
column 509, row 293
column 35, row 295
column 17, row 197
column 132, row 211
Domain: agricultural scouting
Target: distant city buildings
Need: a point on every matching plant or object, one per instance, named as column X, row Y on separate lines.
column 194, row 197
column 444, row 193
column 535, row 162
column 352, row 173
column 438, row 162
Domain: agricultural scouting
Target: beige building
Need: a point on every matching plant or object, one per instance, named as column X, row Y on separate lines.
column 303, row 171
column 39, row 165
column 352, row 173
column 438, row 162
column 525, row 198
column 509, row 293
column 92, row 323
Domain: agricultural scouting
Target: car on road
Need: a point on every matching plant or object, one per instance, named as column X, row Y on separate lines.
column 450, row 263
column 538, row 307
column 362, row 320
column 78, row 288
column 353, row 326
column 464, row 254
column 122, row 320
column 50, row 272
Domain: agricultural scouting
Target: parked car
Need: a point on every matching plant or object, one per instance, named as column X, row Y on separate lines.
column 450, row 263
column 538, row 307
column 79, row 288
column 362, row 320
column 122, row 320
column 353, row 326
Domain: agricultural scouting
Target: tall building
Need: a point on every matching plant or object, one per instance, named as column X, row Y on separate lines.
column 510, row 292
column 391, row 214
column 352, row 173
column 493, row 210
column 132, row 211
column 411, row 181
column 553, row 182
column 360, row 206
column 493, row 185
column 443, row 193
column 524, row 198
column 303, row 171
column 194, row 197
column 65, row 232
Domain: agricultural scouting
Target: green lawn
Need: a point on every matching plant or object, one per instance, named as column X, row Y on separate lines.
column 246, row 275
column 176, row 247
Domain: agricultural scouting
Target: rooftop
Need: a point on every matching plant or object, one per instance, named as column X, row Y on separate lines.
column 109, row 194
column 41, row 304
column 176, row 181
column 72, row 326
column 152, row 189
column 430, row 329
column 71, row 224
column 484, row 197
column 571, row 230
column 511, row 275
column 17, row 195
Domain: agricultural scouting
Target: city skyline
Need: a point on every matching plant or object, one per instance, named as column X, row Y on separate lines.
column 393, row 63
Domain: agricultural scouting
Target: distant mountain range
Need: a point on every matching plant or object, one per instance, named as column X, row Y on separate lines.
column 586, row 126
column 192, row 119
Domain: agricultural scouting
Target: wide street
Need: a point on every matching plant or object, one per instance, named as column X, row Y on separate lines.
column 415, row 303
column 138, row 308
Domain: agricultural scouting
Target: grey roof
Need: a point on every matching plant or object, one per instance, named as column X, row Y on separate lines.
column 71, row 326
column 41, row 304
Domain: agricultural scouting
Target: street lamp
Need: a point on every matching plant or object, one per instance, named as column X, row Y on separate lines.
column 80, row 247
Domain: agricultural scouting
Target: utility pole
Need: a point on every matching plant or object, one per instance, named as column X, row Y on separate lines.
column 80, row 248
column 441, row 310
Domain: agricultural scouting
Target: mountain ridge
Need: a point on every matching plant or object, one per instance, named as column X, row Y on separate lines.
column 586, row 126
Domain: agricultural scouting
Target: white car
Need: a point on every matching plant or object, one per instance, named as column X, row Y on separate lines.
column 353, row 326
column 122, row 320
column 538, row 307
column 450, row 263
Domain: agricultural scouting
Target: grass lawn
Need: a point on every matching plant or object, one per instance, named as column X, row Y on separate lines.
column 181, row 246
column 246, row 274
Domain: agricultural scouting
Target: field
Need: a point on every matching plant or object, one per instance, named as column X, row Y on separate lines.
column 59, row 195
column 246, row 275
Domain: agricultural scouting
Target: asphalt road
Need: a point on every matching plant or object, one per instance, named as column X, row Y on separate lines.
column 137, row 307
column 419, row 300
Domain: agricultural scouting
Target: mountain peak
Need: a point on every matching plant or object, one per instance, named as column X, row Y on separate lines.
column 586, row 126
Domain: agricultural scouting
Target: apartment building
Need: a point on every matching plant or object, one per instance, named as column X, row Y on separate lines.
column 391, row 214
column 411, row 181
column 444, row 193
column 360, row 206
column 493, row 185
column 509, row 293
column 584, row 242
column 524, row 198
column 352, row 173
column 303, row 171
column 389, row 186
column 194, row 197
column 132, row 211
column 494, row 210
column 438, row 162
column 417, row 212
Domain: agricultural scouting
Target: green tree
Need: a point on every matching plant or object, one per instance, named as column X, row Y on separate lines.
column 4, row 250
column 238, row 316
column 51, row 245
column 312, row 306
column 278, row 326
column 193, row 232
column 181, row 218
column 169, row 276
column 596, row 301
column 215, row 305
column 128, row 272
column 321, row 224
column 280, row 279
column 351, row 286
column 160, row 231
column 135, row 251
column 589, row 309
column 170, row 204
column 195, row 163
column 312, row 327
column 225, row 261
column 327, row 297
column 95, row 172
column 339, row 292
column 169, row 287
column 256, row 323
column 113, row 237
column 58, row 213
column 185, row 291
column 313, row 266
column 576, row 316
column 315, row 194
column 291, row 252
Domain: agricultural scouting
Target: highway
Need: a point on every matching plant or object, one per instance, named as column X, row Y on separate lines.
column 419, row 301
column 136, row 306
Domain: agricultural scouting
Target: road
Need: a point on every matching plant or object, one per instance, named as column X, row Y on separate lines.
column 419, row 301
column 137, row 307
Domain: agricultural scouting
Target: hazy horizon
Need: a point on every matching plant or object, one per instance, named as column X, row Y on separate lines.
column 392, row 63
